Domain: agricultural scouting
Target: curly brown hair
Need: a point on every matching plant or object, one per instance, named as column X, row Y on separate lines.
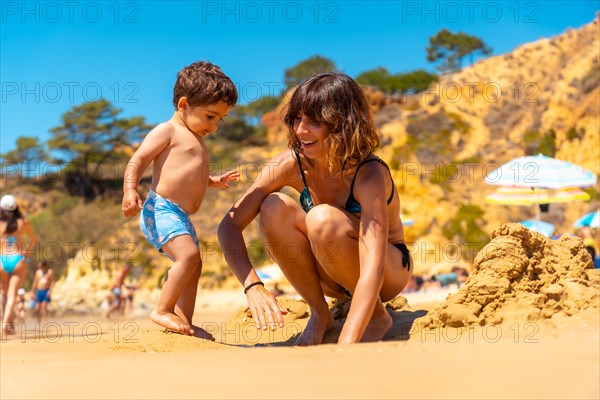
column 204, row 83
column 338, row 102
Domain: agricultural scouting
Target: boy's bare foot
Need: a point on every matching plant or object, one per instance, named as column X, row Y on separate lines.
column 202, row 334
column 381, row 322
column 318, row 325
column 172, row 322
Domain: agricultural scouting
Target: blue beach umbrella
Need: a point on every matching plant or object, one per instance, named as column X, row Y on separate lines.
column 592, row 220
column 543, row 227
column 262, row 274
column 407, row 221
column 541, row 172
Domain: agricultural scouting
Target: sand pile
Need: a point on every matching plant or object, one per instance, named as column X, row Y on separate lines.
column 522, row 276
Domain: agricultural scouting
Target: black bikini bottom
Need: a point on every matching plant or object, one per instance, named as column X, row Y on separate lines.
column 405, row 254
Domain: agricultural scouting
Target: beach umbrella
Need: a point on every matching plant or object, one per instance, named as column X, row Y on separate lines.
column 542, row 172
column 592, row 220
column 262, row 274
column 521, row 196
column 543, row 227
column 270, row 273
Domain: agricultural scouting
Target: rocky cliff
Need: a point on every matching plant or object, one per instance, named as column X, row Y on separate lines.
column 543, row 96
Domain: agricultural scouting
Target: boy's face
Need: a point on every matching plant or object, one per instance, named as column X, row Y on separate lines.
column 205, row 119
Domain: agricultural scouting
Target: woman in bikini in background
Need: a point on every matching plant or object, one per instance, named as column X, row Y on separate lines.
column 345, row 239
column 13, row 250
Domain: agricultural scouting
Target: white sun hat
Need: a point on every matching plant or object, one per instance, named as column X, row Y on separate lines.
column 8, row 203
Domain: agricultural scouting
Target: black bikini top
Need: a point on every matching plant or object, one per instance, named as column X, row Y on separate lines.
column 352, row 205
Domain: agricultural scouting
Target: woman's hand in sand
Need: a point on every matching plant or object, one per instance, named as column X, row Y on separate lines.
column 221, row 181
column 265, row 309
column 132, row 203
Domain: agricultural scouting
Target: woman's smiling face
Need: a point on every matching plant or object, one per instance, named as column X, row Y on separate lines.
column 311, row 135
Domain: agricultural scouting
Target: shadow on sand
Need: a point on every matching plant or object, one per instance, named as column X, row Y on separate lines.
column 403, row 322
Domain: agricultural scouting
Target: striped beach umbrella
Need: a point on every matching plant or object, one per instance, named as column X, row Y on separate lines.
column 592, row 220
column 541, row 172
column 543, row 227
column 520, row 196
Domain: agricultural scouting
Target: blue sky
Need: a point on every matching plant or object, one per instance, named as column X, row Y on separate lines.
column 55, row 55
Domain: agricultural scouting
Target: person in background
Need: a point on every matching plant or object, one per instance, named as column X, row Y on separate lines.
column 20, row 305
column 41, row 289
column 17, row 238
column 117, row 289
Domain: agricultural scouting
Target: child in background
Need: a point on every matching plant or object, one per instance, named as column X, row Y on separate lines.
column 41, row 289
column 117, row 289
column 20, row 305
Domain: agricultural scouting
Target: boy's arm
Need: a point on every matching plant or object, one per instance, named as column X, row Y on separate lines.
column 221, row 181
column 154, row 143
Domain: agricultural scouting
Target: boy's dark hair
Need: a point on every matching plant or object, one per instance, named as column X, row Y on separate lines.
column 204, row 83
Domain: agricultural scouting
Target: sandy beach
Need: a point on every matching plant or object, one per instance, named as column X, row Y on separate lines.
column 447, row 150
column 85, row 358
column 524, row 325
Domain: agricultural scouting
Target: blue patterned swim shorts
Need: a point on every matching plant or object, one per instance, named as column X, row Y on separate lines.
column 161, row 220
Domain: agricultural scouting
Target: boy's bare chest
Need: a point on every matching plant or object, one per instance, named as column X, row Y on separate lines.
column 192, row 152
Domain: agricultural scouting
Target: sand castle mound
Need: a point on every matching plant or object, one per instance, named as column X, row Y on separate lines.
column 522, row 276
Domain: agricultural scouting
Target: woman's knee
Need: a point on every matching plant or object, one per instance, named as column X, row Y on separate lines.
column 273, row 210
column 322, row 223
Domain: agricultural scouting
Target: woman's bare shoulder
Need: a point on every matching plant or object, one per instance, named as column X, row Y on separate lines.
column 282, row 162
column 285, row 157
column 278, row 171
column 372, row 176
column 373, row 169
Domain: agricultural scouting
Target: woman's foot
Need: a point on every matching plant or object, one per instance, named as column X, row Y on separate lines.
column 318, row 325
column 380, row 324
column 172, row 322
